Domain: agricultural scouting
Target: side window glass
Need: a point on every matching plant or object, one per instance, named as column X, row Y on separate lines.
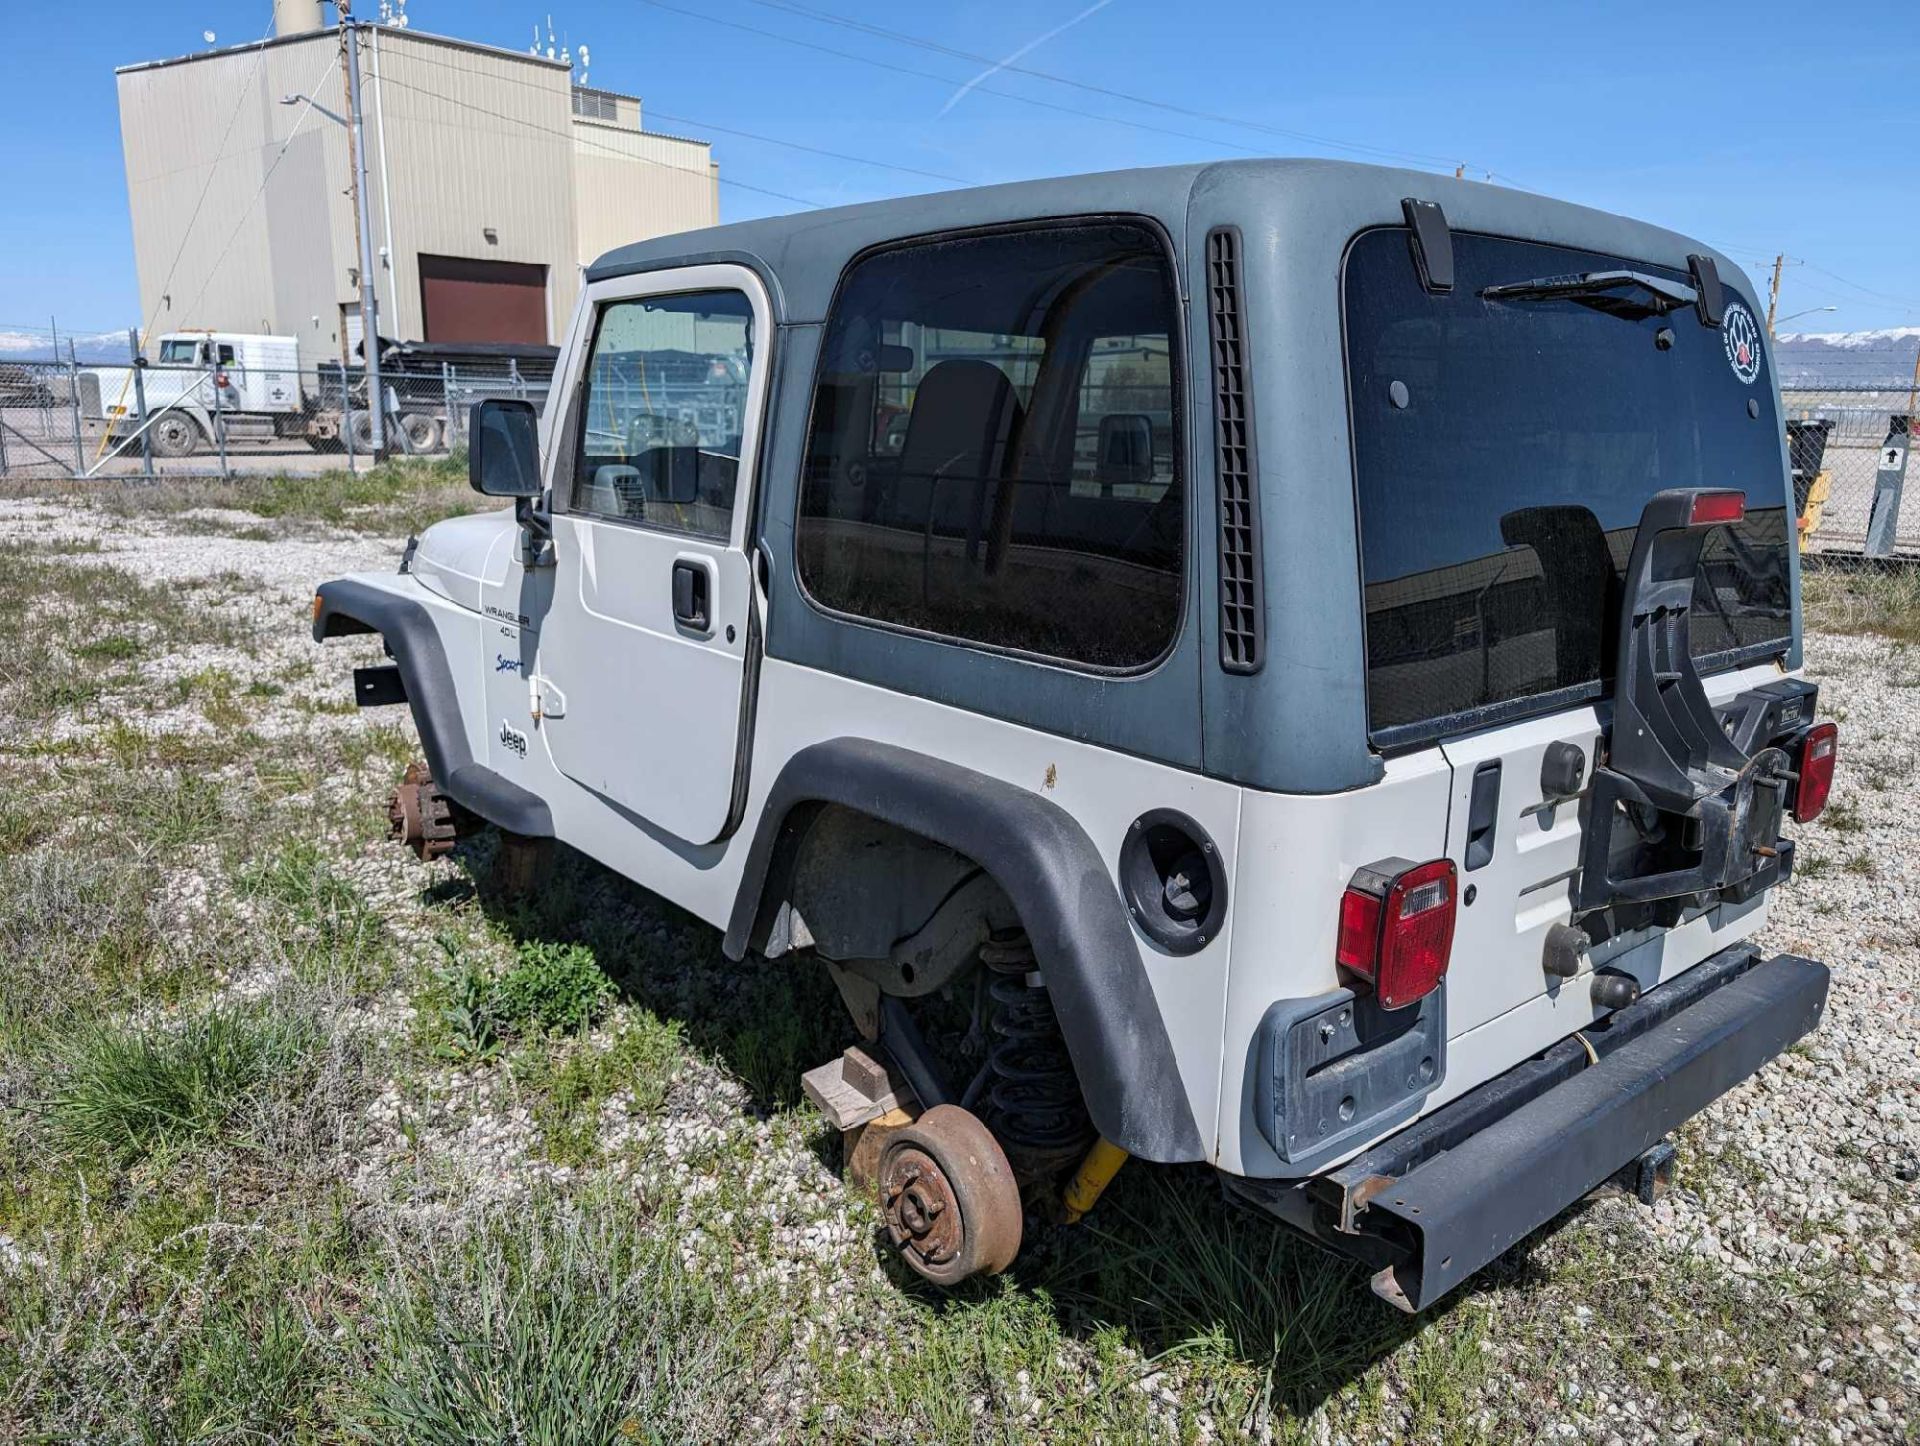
column 994, row 455
column 662, row 412
column 226, row 355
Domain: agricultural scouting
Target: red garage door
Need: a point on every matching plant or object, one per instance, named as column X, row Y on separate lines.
column 469, row 300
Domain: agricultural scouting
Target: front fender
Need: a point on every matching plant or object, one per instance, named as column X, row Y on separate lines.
column 1050, row 870
column 349, row 605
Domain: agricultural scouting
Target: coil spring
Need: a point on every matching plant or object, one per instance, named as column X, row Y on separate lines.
column 1034, row 1098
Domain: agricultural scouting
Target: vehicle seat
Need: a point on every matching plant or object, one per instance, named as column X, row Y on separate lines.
column 964, row 416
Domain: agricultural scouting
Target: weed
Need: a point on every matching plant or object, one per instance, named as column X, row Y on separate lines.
column 556, row 1326
column 1843, row 816
column 554, row 987
column 405, row 494
column 1861, row 864
column 320, row 919
column 20, row 827
column 134, row 1090
column 1840, row 599
column 170, row 810
column 569, row 1091
column 75, row 929
column 114, row 648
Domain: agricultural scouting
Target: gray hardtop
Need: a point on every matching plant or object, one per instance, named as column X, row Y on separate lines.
column 1299, row 724
column 805, row 252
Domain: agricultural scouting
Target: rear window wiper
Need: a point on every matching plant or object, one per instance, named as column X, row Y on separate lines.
column 1623, row 293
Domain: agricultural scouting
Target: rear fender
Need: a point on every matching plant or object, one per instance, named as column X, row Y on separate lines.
column 1057, row 882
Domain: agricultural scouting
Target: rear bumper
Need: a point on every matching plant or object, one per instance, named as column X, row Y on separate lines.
column 1452, row 1192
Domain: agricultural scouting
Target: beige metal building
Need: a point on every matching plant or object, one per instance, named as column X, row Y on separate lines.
column 492, row 178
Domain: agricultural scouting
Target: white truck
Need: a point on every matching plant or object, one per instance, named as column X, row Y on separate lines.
column 251, row 388
column 1354, row 746
column 248, row 384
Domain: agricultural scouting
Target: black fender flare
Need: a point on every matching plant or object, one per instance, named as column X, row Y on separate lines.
column 345, row 606
column 1054, row 876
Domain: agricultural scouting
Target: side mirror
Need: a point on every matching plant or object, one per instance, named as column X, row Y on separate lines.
column 503, row 448
column 1126, row 450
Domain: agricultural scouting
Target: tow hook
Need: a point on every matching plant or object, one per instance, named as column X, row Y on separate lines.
column 1648, row 1175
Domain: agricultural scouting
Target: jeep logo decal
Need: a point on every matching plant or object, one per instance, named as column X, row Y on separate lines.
column 513, row 740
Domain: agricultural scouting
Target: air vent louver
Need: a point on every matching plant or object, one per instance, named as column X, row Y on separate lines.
column 1242, row 606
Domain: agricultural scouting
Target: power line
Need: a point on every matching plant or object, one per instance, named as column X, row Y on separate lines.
column 921, row 42
column 1866, row 290
column 947, row 80
column 812, row 150
column 239, row 99
column 575, row 139
column 246, row 211
column 492, row 76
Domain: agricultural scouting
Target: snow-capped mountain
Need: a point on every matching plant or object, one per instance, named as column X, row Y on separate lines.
column 1816, row 359
column 104, row 346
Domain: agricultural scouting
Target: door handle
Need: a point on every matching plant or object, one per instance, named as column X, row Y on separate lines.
column 1483, row 815
column 693, row 595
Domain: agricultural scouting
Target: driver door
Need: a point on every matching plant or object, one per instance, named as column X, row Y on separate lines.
column 643, row 668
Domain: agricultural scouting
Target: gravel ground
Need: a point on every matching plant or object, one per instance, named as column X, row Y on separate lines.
column 1807, row 1172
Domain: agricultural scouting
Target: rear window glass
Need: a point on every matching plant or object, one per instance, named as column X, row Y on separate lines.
column 994, row 454
column 1503, row 451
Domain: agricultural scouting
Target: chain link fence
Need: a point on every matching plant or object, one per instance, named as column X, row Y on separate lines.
column 74, row 420
column 1849, row 451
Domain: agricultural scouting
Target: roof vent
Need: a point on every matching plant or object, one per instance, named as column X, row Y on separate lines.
column 1242, row 606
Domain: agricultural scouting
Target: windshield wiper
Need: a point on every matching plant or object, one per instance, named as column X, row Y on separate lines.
column 1632, row 294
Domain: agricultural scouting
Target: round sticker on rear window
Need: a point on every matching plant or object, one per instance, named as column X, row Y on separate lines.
column 1742, row 335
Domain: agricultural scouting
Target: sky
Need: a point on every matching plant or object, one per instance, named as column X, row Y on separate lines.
column 1758, row 127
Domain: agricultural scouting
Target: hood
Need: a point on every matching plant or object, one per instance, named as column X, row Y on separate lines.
column 457, row 557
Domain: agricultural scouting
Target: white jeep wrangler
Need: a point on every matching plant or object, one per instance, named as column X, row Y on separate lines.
column 1306, row 654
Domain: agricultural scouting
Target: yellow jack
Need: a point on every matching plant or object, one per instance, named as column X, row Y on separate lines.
column 1090, row 1181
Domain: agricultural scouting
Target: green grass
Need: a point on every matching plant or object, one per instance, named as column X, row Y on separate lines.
column 403, row 495
column 169, row 811
column 76, row 927
column 115, row 648
column 131, row 1091
column 1838, row 598
column 320, row 920
column 569, row 1089
column 557, row 1325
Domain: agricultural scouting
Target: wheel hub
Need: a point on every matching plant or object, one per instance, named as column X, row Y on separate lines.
column 420, row 816
column 923, row 1216
column 948, row 1197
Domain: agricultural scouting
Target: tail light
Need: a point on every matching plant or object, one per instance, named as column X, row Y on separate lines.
column 1817, row 756
column 1396, row 928
column 1712, row 507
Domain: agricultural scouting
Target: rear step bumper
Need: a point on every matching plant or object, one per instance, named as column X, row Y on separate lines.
column 1454, row 1191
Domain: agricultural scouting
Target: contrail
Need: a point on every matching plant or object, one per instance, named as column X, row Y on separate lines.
column 1032, row 45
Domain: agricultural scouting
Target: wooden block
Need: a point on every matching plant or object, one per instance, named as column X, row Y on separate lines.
column 871, row 1075
column 843, row 1103
column 863, row 1144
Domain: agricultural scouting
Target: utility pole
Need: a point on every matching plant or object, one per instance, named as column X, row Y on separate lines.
column 363, row 222
column 1773, row 292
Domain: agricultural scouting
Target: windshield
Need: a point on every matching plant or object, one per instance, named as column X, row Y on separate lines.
column 179, row 351
column 1503, row 450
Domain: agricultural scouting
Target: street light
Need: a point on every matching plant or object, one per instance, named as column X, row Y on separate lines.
column 1811, row 310
column 299, row 98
